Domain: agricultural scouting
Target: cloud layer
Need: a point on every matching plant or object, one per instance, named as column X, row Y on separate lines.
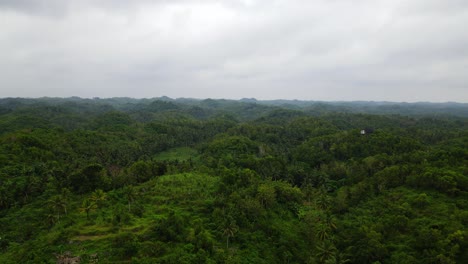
column 393, row 50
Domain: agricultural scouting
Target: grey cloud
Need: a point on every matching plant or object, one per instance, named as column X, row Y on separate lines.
column 324, row 50
column 59, row 8
column 39, row 7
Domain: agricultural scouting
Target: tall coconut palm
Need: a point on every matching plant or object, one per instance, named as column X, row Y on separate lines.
column 98, row 197
column 323, row 201
column 330, row 221
column 326, row 252
column 130, row 194
column 322, row 232
column 229, row 230
column 57, row 204
column 87, row 206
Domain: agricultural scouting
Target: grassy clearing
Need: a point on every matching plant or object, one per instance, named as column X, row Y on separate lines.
column 182, row 153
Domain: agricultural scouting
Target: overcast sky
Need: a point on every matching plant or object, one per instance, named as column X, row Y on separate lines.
column 380, row 50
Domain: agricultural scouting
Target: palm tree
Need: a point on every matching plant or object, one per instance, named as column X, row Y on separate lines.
column 130, row 194
column 330, row 221
column 230, row 230
column 322, row 232
column 87, row 206
column 98, row 197
column 326, row 252
column 57, row 204
column 323, row 201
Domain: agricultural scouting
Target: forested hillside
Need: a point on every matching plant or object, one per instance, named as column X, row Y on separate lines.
column 220, row 181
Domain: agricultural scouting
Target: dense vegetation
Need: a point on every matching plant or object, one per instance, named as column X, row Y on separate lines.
column 216, row 181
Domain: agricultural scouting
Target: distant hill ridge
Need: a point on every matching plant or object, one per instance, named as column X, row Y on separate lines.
column 309, row 107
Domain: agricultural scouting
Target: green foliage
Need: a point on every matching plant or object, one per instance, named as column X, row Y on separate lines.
column 87, row 206
column 216, row 181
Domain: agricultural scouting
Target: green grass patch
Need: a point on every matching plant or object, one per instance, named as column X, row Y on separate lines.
column 182, row 153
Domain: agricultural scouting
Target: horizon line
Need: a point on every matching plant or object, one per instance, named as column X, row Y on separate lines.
column 251, row 99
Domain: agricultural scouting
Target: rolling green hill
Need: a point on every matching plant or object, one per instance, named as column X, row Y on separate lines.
column 165, row 180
